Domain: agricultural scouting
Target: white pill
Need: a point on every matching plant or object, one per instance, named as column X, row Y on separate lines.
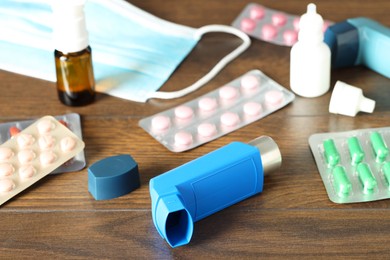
column 47, row 157
column 26, row 156
column 6, row 169
column 26, row 171
column 25, row 140
column 46, row 142
column 5, row 153
column 67, row 144
column 6, row 185
column 45, row 126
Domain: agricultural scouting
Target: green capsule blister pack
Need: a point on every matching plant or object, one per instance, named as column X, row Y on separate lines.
column 354, row 165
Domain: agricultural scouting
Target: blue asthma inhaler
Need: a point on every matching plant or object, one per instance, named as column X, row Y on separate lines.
column 209, row 184
column 360, row 41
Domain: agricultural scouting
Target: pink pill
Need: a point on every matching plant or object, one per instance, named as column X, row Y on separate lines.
column 47, row 157
column 26, row 156
column 45, row 126
column 230, row 119
column 6, row 169
column 183, row 139
column 46, row 142
column 5, row 153
column 67, row 144
column 274, row 97
column 25, row 140
column 257, row 12
column 290, row 37
column 279, row 19
column 228, row 93
column 207, row 129
column 269, row 31
column 6, row 185
column 325, row 26
column 252, row 109
column 248, row 25
column 296, row 23
column 249, row 82
column 26, row 171
column 207, row 104
column 183, row 112
column 161, row 122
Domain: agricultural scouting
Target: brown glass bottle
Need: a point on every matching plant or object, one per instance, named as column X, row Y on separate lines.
column 75, row 78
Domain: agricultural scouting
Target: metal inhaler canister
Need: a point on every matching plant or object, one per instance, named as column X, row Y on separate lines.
column 209, row 184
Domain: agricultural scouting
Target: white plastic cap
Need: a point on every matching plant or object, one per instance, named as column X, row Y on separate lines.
column 349, row 100
column 310, row 25
column 69, row 30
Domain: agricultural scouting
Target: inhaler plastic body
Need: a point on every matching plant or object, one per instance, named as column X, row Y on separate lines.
column 360, row 41
column 209, row 184
column 310, row 57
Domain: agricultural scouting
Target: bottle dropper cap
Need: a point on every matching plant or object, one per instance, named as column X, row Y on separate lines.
column 310, row 25
column 349, row 100
column 269, row 152
column 69, row 26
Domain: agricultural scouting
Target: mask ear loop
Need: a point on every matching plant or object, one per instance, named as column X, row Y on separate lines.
column 217, row 68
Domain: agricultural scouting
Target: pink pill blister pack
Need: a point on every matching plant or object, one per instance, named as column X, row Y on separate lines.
column 34, row 153
column 269, row 25
column 230, row 107
column 71, row 121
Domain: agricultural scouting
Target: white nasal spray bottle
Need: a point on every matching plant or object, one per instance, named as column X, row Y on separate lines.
column 310, row 57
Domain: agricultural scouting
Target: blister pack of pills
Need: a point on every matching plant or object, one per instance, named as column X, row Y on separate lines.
column 34, row 153
column 71, row 121
column 354, row 165
column 219, row 112
column 269, row 25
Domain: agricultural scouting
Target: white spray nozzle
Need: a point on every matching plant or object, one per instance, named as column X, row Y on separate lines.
column 311, row 24
column 69, row 26
column 349, row 100
column 311, row 8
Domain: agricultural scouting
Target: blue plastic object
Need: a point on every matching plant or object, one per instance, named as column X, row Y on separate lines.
column 360, row 41
column 113, row 177
column 208, row 184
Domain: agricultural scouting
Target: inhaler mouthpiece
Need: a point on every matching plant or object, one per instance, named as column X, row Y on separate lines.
column 349, row 100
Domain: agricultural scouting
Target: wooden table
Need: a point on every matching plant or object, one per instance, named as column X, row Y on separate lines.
column 292, row 218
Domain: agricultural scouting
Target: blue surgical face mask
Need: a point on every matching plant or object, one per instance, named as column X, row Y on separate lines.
column 134, row 52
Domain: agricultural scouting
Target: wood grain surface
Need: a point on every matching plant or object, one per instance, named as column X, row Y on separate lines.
column 292, row 219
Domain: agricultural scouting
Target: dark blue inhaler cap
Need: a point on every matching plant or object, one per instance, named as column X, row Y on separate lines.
column 343, row 41
column 113, row 177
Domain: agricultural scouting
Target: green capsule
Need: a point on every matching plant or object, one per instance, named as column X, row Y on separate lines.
column 386, row 172
column 341, row 181
column 332, row 156
column 355, row 150
column 378, row 144
column 366, row 178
